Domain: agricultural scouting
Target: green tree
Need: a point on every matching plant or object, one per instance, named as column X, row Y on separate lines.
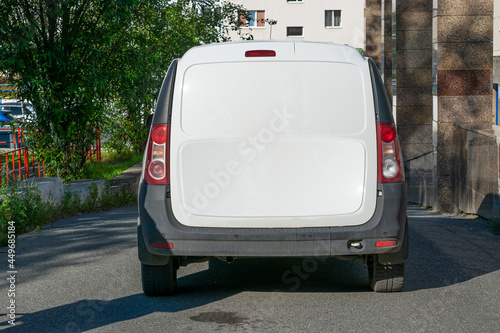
column 73, row 58
column 164, row 33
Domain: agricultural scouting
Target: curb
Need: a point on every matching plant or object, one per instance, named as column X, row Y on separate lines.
column 128, row 180
column 52, row 189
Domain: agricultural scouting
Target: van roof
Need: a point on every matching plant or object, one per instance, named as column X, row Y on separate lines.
column 285, row 51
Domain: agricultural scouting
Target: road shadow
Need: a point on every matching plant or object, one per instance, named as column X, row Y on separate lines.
column 445, row 251
column 219, row 281
column 74, row 241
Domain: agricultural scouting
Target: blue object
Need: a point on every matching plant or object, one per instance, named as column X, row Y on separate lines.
column 5, row 116
column 495, row 86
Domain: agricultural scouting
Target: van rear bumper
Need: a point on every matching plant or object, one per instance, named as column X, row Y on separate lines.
column 157, row 224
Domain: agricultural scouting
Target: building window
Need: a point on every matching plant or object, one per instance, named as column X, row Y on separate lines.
column 333, row 18
column 294, row 31
column 256, row 18
column 208, row 11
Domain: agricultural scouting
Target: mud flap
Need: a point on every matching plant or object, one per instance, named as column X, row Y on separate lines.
column 144, row 256
column 398, row 257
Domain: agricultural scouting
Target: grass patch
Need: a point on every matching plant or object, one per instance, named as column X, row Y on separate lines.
column 112, row 165
column 23, row 210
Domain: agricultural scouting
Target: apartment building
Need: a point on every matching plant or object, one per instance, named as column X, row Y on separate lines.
column 337, row 21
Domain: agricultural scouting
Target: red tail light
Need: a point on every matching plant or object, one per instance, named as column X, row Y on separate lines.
column 161, row 245
column 390, row 168
column 157, row 170
column 260, row 53
column 386, row 243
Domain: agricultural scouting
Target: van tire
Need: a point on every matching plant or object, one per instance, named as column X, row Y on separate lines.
column 386, row 278
column 159, row 280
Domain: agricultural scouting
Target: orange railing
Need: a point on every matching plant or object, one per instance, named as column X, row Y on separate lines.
column 19, row 165
column 95, row 148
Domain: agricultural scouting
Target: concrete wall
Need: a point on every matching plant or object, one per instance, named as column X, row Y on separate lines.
column 476, row 172
column 419, row 171
column 53, row 189
column 309, row 14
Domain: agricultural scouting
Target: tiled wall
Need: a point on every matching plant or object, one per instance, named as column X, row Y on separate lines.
column 462, row 68
column 379, row 38
column 373, row 28
column 387, row 47
column 413, row 68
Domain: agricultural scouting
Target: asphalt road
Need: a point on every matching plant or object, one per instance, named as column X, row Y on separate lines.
column 81, row 274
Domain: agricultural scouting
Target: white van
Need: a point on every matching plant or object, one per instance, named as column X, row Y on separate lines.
column 272, row 149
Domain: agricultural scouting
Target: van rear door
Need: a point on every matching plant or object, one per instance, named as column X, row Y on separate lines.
column 273, row 142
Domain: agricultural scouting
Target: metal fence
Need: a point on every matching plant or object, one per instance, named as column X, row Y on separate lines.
column 16, row 162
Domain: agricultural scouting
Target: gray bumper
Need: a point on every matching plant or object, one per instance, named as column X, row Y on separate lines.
column 158, row 224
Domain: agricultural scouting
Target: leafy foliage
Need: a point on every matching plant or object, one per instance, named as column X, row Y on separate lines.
column 111, row 165
column 19, row 206
column 87, row 64
column 164, row 33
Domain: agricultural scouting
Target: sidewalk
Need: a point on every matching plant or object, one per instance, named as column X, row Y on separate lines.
column 128, row 180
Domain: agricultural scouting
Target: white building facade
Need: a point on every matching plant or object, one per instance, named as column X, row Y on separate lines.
column 336, row 21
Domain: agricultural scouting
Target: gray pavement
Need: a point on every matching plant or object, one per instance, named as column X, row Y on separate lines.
column 81, row 274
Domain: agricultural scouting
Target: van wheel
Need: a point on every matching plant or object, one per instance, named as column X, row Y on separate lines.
column 159, row 280
column 386, row 278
